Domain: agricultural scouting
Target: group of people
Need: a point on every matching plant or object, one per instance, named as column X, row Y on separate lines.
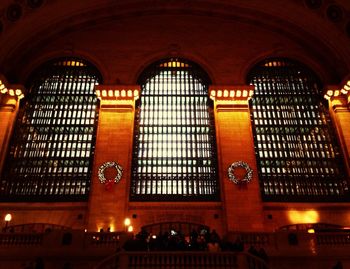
column 203, row 240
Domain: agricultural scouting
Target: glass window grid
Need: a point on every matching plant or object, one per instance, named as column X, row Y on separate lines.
column 174, row 154
column 296, row 148
column 51, row 153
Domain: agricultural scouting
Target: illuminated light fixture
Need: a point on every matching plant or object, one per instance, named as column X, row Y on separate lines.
column 327, row 97
column 98, row 93
column 85, row 230
column 330, row 92
column 348, row 83
column 116, row 93
column 346, row 87
column 251, row 92
column 344, row 91
column 219, row 93
column 3, row 90
column 18, row 92
column 232, row 93
column 130, row 229
column 104, row 93
column 245, row 93
column 2, row 86
column 154, row 236
column 8, row 217
column 213, row 93
column 238, row 93
column 336, row 93
column 123, row 93
column 311, row 231
column 21, row 96
column 127, row 222
column 11, row 92
column 110, row 93
column 136, row 93
column 129, row 93
column 225, row 93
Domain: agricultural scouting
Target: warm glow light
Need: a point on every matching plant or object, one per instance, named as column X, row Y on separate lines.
column 2, row 86
column 344, row 91
column 213, row 93
column 219, row 93
column 346, row 87
column 225, row 93
column 3, row 90
column 136, row 93
column 330, row 92
column 110, row 93
column 117, row 93
column 11, row 92
column 238, row 93
column 129, row 93
column 123, row 93
column 311, row 231
column 348, row 83
column 18, row 92
column 98, row 93
column 104, row 93
column 326, row 97
column 154, row 236
column 309, row 216
column 21, row 96
column 245, row 93
column 8, row 217
column 336, row 93
column 130, row 229
column 127, row 222
column 85, row 230
column 251, row 92
column 232, row 93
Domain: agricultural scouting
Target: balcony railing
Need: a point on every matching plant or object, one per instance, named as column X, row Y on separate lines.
column 182, row 260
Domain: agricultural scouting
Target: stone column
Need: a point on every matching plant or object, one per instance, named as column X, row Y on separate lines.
column 339, row 105
column 107, row 204
column 242, row 201
column 10, row 96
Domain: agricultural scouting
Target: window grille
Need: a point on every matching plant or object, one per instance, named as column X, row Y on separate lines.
column 174, row 156
column 51, row 152
column 296, row 148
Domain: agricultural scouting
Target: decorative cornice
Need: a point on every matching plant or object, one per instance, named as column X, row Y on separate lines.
column 11, row 90
column 118, row 96
column 339, row 95
column 231, row 96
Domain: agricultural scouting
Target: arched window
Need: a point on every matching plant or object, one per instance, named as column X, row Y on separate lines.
column 174, row 156
column 296, row 148
column 51, row 152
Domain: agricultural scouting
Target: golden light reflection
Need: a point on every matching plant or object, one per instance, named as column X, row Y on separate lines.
column 309, row 216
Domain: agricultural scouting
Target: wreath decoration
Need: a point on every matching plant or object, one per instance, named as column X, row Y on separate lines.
column 109, row 182
column 247, row 177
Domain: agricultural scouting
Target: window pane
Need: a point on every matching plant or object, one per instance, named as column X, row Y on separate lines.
column 174, row 144
column 47, row 159
column 296, row 148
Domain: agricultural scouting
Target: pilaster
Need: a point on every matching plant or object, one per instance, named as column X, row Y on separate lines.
column 242, row 201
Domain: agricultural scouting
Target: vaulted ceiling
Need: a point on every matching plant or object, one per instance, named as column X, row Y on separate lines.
column 320, row 27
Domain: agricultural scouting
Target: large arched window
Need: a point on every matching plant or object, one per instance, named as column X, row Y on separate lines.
column 296, row 148
column 51, row 152
column 174, row 156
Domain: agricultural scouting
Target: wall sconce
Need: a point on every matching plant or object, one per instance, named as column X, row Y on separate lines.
column 8, row 218
column 127, row 223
